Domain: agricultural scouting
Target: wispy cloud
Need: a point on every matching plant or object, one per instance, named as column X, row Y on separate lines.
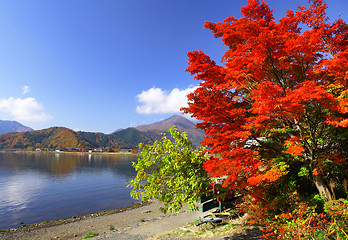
column 24, row 109
column 156, row 100
column 25, row 89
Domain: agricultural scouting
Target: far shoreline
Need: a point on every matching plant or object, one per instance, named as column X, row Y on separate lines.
column 66, row 152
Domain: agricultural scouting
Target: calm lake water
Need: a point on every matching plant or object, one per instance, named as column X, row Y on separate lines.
column 38, row 187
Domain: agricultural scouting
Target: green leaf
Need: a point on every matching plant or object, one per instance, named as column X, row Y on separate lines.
column 303, row 172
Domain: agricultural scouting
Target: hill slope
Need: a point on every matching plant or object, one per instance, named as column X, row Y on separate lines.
column 51, row 138
column 131, row 137
column 12, row 126
column 125, row 138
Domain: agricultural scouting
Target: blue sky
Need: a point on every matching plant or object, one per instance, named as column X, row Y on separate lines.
column 106, row 64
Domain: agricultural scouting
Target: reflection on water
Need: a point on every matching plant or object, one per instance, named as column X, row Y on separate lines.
column 15, row 192
column 36, row 187
column 66, row 163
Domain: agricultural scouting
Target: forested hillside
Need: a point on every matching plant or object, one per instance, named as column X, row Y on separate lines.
column 63, row 138
column 51, row 138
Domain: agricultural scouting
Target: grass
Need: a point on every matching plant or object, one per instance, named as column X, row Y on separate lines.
column 226, row 228
column 194, row 222
column 90, row 234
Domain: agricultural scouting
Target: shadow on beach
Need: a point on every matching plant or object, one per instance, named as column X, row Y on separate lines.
column 250, row 234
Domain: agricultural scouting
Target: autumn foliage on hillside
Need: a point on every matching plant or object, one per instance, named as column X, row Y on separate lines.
column 275, row 111
column 63, row 138
column 51, row 138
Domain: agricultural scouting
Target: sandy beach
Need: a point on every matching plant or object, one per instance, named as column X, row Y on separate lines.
column 143, row 221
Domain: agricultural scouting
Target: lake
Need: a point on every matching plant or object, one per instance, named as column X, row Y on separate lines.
column 38, row 187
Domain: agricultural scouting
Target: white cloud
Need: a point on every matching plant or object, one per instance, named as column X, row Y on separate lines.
column 25, row 89
column 24, row 109
column 156, row 100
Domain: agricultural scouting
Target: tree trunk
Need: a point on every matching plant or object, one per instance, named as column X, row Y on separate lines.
column 323, row 189
column 345, row 185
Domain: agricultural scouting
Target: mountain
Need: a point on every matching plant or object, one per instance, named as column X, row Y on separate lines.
column 63, row 138
column 131, row 137
column 12, row 126
column 181, row 123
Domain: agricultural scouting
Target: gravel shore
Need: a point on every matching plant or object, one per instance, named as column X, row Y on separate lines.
column 143, row 221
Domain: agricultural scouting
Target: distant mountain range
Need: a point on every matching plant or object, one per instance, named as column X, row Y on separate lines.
column 62, row 138
column 12, row 126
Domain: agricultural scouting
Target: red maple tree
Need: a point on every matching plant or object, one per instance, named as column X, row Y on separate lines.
column 278, row 104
